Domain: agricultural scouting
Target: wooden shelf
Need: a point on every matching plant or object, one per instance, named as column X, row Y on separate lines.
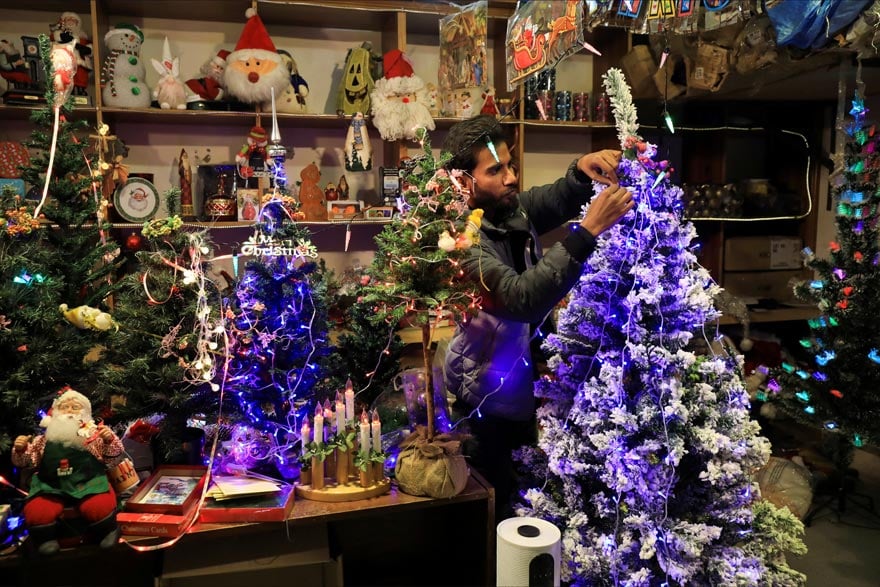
column 791, row 314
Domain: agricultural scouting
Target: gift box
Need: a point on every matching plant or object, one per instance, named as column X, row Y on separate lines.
column 274, row 507
column 149, row 524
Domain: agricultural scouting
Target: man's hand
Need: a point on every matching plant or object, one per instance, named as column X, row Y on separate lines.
column 607, row 208
column 21, row 443
column 600, row 166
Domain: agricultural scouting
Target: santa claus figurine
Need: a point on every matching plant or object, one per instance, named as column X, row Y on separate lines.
column 400, row 100
column 255, row 67
column 70, row 471
column 210, row 85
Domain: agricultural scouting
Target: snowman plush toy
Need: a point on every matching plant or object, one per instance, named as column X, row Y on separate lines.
column 123, row 73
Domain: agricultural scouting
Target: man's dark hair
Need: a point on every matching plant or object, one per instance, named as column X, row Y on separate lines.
column 469, row 137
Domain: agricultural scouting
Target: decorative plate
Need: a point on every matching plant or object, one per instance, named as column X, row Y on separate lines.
column 137, row 200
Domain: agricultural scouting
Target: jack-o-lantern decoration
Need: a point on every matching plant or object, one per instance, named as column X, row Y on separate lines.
column 357, row 82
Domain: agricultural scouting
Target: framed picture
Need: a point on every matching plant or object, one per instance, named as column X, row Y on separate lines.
column 248, row 204
column 172, row 489
column 379, row 213
column 343, row 209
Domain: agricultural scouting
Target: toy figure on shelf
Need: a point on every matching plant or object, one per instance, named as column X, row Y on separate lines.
column 358, row 149
column 251, row 158
column 294, row 97
column 69, row 28
column 255, row 67
column 331, row 194
column 13, row 67
column 400, row 100
column 23, row 71
column 210, row 85
column 184, row 170
column 70, row 463
column 170, row 92
column 489, row 106
column 357, row 81
column 342, row 188
column 311, row 196
column 123, row 73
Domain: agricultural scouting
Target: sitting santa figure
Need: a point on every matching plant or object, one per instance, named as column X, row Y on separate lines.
column 70, row 471
column 210, row 85
column 400, row 100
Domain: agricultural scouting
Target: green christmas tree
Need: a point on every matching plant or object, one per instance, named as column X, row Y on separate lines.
column 416, row 273
column 63, row 259
column 367, row 355
column 161, row 363
column 837, row 389
column 277, row 325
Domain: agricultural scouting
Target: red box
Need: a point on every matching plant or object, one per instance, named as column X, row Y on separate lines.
column 274, row 507
column 150, row 524
column 172, row 490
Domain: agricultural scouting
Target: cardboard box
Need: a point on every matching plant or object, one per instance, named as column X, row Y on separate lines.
column 274, row 507
column 256, row 555
column 772, row 285
column 151, row 524
column 763, row 253
column 639, row 67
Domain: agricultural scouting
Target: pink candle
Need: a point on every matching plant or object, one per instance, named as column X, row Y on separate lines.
column 319, row 426
column 349, row 401
column 305, row 434
column 340, row 413
column 365, row 434
column 376, row 430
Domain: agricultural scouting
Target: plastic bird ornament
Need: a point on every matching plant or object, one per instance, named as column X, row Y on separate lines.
column 86, row 317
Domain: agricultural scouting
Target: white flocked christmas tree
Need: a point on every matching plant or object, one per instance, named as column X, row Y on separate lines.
column 646, row 448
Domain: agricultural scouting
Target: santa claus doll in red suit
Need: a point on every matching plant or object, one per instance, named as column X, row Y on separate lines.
column 210, row 86
column 70, row 472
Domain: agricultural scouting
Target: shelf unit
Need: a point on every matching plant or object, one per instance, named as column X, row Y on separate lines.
column 318, row 34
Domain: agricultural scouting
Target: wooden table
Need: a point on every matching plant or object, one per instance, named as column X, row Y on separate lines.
column 393, row 539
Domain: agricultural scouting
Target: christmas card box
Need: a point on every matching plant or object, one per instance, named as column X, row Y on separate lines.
column 149, row 524
column 267, row 507
column 172, row 490
column 763, row 253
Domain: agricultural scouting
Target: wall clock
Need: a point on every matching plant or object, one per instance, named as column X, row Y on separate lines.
column 137, row 200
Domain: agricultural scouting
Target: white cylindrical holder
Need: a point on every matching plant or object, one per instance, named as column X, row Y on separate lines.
column 529, row 551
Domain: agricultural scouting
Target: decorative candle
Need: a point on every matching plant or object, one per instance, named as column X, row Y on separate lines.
column 305, row 434
column 365, row 434
column 340, row 414
column 349, row 401
column 328, row 417
column 376, row 430
column 319, row 426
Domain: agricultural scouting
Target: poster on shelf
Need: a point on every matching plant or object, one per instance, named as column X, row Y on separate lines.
column 540, row 34
column 463, row 42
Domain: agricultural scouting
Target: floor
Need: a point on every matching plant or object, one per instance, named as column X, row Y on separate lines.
column 844, row 551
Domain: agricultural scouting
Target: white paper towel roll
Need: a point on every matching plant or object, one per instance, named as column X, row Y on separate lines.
column 529, row 550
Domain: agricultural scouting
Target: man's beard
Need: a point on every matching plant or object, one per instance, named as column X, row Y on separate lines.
column 396, row 120
column 496, row 209
column 237, row 84
column 64, row 429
